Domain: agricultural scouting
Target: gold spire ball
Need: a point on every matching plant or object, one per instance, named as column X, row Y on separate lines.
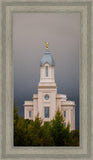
column 46, row 45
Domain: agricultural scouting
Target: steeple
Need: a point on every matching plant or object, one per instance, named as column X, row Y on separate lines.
column 47, row 67
column 47, row 58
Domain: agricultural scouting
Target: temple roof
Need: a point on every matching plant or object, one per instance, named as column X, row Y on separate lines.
column 47, row 58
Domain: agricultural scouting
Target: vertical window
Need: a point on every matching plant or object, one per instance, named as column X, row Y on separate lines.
column 65, row 124
column 29, row 113
column 64, row 113
column 46, row 112
column 46, row 71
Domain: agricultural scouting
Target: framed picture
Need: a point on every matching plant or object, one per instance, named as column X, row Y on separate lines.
column 46, row 71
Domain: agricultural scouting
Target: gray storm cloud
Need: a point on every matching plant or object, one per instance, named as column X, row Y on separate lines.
column 30, row 31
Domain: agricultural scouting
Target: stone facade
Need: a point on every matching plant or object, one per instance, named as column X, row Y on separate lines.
column 47, row 101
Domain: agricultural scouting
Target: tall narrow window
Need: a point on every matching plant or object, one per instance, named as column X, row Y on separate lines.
column 65, row 124
column 46, row 71
column 46, row 112
column 64, row 113
column 29, row 113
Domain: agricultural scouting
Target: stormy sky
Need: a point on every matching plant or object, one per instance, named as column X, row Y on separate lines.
column 30, row 31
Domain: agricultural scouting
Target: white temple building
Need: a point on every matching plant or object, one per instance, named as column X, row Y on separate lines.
column 47, row 101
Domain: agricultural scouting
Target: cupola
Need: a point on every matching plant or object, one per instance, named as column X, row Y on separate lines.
column 47, row 58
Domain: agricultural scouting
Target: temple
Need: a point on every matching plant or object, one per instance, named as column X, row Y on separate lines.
column 47, row 101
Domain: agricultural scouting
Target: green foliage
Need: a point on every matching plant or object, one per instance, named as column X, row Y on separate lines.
column 75, row 137
column 45, row 135
column 57, row 129
column 15, row 113
column 20, row 131
column 37, row 133
column 60, row 133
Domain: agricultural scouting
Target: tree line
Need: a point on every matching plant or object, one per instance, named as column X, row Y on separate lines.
column 36, row 133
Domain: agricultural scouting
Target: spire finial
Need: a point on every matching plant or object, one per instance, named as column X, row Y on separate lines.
column 46, row 45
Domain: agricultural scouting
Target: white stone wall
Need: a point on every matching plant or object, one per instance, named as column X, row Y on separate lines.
column 50, row 77
column 39, row 103
column 26, row 110
column 35, row 104
column 51, row 102
column 70, row 115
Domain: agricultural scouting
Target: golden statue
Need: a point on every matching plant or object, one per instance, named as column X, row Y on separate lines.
column 46, row 45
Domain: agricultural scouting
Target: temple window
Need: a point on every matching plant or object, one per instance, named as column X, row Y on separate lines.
column 46, row 112
column 29, row 113
column 64, row 113
column 46, row 71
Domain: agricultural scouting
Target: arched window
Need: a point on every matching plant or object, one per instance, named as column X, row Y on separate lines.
column 46, row 71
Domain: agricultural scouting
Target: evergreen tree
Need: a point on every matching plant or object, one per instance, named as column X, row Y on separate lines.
column 37, row 133
column 60, row 133
column 46, row 138
column 75, row 137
